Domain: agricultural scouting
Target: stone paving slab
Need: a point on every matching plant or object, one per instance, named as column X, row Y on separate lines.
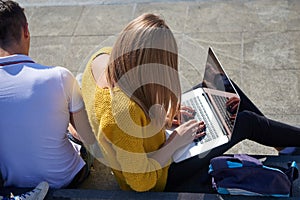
column 31, row 3
column 103, row 19
column 53, row 20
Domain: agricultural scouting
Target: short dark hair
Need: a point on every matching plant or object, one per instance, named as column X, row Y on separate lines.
column 12, row 20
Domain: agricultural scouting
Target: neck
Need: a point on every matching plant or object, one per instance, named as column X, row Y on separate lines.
column 11, row 51
column 12, row 47
column 4, row 53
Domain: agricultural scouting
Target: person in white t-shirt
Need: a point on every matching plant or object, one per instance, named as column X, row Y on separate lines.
column 37, row 104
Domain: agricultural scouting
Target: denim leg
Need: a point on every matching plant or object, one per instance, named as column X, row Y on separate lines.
column 1, row 180
column 84, row 153
column 88, row 159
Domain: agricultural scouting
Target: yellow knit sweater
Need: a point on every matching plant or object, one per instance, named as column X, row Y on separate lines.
column 118, row 125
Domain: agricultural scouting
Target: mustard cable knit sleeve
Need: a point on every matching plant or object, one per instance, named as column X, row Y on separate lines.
column 132, row 145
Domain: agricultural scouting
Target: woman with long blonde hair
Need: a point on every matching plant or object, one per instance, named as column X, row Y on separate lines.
column 132, row 94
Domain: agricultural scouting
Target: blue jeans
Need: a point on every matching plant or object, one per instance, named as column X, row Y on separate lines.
column 85, row 171
column 1, row 181
column 250, row 124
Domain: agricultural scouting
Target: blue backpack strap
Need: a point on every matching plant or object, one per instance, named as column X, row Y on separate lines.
column 293, row 170
column 220, row 162
column 292, row 173
column 237, row 160
column 248, row 161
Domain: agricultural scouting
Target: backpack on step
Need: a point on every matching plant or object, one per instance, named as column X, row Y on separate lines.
column 241, row 174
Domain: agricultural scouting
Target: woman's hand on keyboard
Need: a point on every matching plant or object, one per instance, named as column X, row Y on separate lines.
column 232, row 104
column 185, row 114
column 187, row 132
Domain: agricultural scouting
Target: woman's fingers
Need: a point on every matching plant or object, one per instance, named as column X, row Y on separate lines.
column 232, row 104
column 185, row 113
column 232, row 100
column 235, row 107
column 199, row 135
column 196, row 126
column 191, row 124
column 189, row 131
column 187, row 108
column 201, row 131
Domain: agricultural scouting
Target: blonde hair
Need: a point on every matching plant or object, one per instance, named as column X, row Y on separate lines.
column 144, row 64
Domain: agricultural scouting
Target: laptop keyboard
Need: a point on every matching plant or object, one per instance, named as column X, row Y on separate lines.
column 201, row 115
column 221, row 104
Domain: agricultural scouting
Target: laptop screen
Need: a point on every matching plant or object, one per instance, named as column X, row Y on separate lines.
column 216, row 79
column 215, row 76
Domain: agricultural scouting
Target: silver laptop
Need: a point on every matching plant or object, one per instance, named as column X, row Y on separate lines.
column 209, row 102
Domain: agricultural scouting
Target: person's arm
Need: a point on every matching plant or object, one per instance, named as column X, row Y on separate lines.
column 83, row 129
column 182, row 135
column 78, row 116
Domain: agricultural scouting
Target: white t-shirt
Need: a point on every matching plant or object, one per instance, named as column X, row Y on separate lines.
column 35, row 106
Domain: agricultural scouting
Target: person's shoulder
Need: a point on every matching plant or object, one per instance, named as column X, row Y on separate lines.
column 51, row 68
column 64, row 72
column 103, row 50
column 61, row 69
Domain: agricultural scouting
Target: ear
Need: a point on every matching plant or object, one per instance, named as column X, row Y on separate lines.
column 25, row 39
column 26, row 31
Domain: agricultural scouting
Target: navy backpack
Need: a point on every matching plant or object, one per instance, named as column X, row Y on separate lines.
column 241, row 174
